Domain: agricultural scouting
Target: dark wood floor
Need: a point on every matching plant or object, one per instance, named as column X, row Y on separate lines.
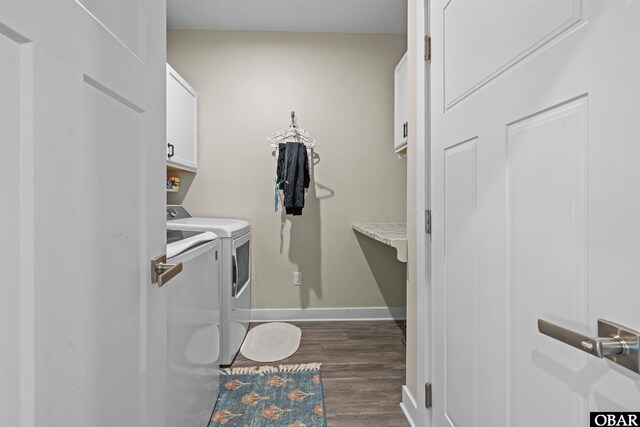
column 363, row 370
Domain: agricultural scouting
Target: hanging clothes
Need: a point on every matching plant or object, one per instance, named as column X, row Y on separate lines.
column 292, row 175
column 280, row 174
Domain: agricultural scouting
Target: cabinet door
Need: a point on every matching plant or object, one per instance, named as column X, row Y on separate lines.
column 400, row 108
column 182, row 150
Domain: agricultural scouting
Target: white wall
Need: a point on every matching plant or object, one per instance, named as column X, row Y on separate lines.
column 341, row 87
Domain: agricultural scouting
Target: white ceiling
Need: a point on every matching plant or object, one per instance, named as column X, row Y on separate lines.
column 334, row 16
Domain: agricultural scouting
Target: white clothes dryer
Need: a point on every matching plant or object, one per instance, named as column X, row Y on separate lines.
column 235, row 265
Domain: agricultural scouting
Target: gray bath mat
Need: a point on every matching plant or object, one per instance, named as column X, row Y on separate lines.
column 271, row 342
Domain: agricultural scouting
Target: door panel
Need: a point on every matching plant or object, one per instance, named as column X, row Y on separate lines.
column 541, row 220
column 461, row 285
column 113, row 292
column 546, row 259
column 60, row 340
column 474, row 55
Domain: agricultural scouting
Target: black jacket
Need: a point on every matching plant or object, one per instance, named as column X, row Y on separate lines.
column 293, row 175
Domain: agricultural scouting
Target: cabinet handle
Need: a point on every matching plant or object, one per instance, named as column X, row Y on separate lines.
column 405, row 129
column 171, row 150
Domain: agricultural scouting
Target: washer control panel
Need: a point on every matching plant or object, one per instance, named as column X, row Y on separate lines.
column 176, row 212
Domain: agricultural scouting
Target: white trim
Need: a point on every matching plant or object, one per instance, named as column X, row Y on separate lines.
column 327, row 314
column 422, row 417
column 409, row 407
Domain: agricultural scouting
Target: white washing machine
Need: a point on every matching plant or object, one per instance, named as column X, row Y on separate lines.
column 235, row 265
column 193, row 328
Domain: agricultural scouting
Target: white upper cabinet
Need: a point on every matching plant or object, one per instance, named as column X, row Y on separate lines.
column 182, row 123
column 400, row 125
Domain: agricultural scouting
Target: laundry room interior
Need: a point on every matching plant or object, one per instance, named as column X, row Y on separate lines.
column 253, row 88
column 313, row 213
column 341, row 89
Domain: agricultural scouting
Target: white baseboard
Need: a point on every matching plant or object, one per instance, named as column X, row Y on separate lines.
column 327, row 314
column 409, row 406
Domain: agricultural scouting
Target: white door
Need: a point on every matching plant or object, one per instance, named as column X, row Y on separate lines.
column 536, row 206
column 81, row 164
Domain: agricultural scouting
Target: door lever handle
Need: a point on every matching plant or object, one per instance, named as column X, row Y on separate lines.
column 614, row 342
column 598, row 346
column 161, row 272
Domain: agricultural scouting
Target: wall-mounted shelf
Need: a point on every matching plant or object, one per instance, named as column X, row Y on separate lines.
column 393, row 234
column 176, row 197
column 175, row 170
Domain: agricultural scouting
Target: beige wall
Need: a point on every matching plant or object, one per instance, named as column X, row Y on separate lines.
column 341, row 87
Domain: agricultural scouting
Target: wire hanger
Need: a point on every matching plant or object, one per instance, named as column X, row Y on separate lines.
column 293, row 132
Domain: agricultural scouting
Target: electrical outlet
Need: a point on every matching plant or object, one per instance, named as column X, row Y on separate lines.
column 297, row 278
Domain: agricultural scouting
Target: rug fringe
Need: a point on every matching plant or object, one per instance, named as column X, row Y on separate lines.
column 261, row 370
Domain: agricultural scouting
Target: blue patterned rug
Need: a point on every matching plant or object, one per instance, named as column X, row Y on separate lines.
column 269, row 396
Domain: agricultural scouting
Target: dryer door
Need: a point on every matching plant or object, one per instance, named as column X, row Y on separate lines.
column 240, row 314
column 241, row 266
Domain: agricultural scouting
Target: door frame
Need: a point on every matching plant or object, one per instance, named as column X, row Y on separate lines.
column 423, row 188
column 418, row 28
column 423, row 203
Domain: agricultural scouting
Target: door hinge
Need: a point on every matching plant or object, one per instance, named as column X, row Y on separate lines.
column 427, row 222
column 427, row 395
column 427, row 48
